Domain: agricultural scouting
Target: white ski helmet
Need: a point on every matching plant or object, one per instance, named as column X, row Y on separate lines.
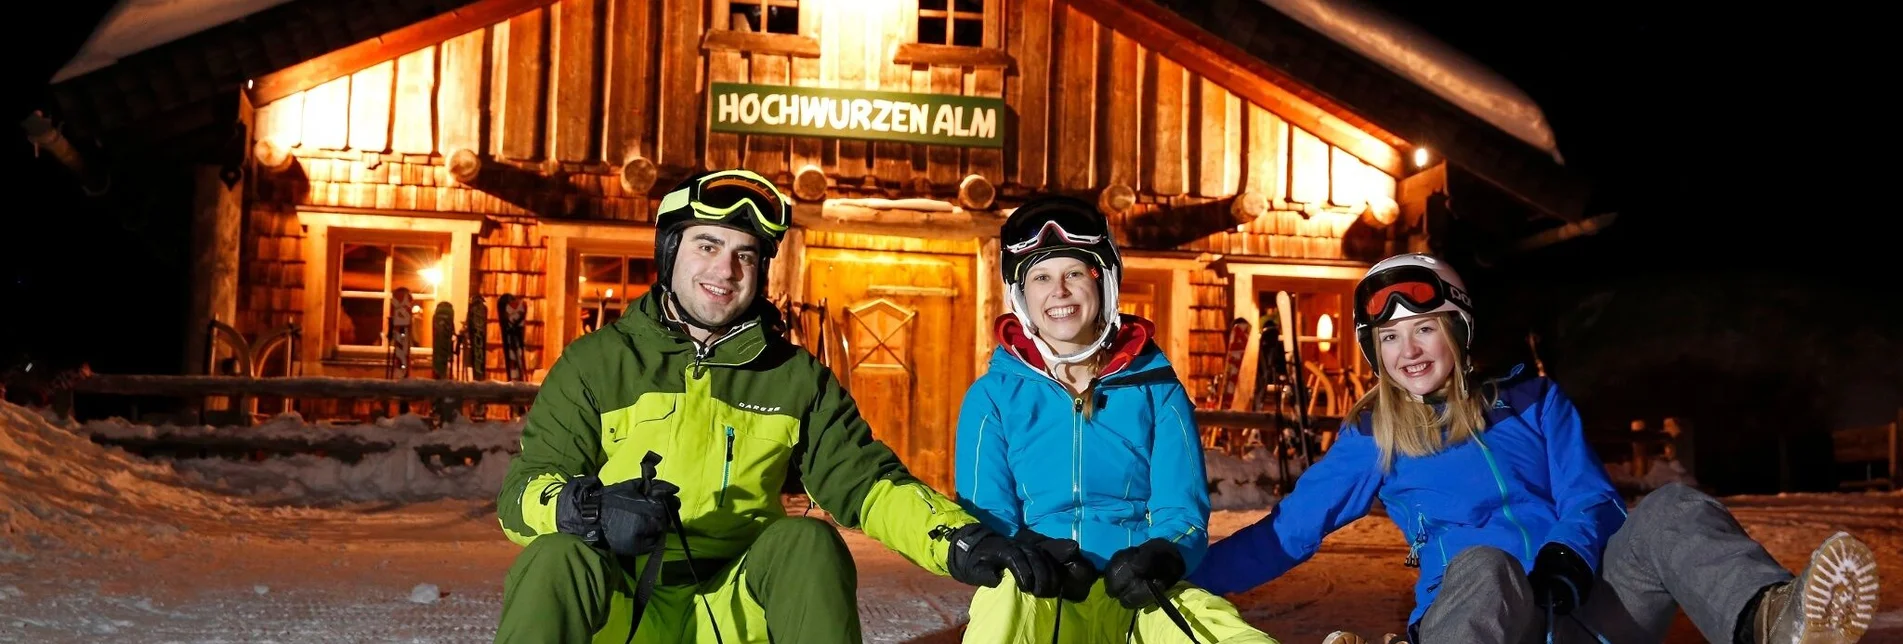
column 1410, row 285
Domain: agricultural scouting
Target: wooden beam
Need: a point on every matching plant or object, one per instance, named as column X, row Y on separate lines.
column 760, row 43
column 360, row 56
column 961, row 225
column 304, row 387
column 913, row 53
column 1227, row 65
column 47, row 138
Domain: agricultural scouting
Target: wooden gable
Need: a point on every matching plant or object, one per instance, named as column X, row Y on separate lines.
column 579, row 108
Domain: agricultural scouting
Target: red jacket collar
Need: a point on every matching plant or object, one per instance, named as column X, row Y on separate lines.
column 1132, row 333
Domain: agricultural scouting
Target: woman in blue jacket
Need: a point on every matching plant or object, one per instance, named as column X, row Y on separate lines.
column 1509, row 515
column 1081, row 438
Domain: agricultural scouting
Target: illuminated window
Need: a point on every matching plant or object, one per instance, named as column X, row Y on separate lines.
column 764, row 16
column 952, row 22
column 372, row 278
column 606, row 284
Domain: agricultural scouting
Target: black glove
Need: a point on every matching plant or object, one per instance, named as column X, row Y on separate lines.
column 1131, row 569
column 629, row 518
column 1076, row 571
column 1560, row 579
column 980, row 556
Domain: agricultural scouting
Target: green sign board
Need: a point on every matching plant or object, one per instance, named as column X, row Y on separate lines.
column 936, row 119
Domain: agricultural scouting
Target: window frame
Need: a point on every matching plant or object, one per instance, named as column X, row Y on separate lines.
column 567, row 241
column 336, row 294
column 579, row 264
column 990, row 24
column 721, row 13
column 327, row 230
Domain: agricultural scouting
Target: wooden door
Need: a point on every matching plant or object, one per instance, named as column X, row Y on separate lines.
column 905, row 319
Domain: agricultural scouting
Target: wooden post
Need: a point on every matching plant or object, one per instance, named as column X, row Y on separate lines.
column 47, row 138
column 1894, row 473
column 976, row 193
column 1638, row 449
column 465, row 166
column 638, row 175
column 272, row 156
column 214, row 251
column 809, row 184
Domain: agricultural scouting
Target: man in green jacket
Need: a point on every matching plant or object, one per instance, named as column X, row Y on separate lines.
column 671, row 431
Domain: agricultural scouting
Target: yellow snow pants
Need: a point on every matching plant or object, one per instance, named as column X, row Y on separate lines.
column 1002, row 615
column 798, row 582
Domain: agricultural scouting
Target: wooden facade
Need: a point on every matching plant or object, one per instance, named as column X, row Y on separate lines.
column 524, row 156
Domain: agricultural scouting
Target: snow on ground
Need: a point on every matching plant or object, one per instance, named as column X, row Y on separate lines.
column 96, row 543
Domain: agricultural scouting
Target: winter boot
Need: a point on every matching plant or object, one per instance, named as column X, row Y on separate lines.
column 1831, row 602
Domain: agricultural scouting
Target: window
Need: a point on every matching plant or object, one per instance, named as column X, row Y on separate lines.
column 764, row 16
column 373, row 277
column 952, row 22
column 606, row 284
column 1325, row 340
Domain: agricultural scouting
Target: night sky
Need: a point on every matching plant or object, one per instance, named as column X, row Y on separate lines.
column 1739, row 146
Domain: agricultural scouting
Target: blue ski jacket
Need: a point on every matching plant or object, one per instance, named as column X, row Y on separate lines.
column 1110, row 469
column 1528, row 479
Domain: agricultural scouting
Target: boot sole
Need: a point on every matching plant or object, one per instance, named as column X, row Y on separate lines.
column 1839, row 597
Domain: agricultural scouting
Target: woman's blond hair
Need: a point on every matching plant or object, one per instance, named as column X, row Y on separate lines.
column 1405, row 424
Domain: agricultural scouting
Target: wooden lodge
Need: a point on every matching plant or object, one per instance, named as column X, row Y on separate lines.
column 469, row 151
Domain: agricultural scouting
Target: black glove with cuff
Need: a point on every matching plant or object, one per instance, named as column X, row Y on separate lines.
column 1128, row 575
column 1560, row 578
column 979, row 556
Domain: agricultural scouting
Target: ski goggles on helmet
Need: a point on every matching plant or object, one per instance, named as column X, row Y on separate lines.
column 1417, row 288
column 732, row 197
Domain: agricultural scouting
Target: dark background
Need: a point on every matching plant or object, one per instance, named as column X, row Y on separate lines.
column 1747, row 285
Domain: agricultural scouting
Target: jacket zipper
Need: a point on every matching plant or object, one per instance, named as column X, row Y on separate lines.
column 1506, row 505
column 1076, row 468
column 727, row 468
column 1413, row 559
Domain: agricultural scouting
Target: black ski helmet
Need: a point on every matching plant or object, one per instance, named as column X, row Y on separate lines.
column 1060, row 226
column 737, row 199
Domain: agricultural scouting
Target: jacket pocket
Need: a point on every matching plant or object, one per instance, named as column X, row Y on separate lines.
column 755, row 452
column 648, row 424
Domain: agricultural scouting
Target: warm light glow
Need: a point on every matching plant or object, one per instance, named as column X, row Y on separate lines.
column 1325, row 327
column 1420, row 157
column 433, row 275
column 611, row 294
column 584, row 280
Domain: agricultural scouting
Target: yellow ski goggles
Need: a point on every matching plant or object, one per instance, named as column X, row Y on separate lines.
column 731, row 197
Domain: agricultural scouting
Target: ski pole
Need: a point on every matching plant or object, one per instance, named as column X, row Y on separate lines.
column 1057, row 624
column 1162, row 602
column 694, row 574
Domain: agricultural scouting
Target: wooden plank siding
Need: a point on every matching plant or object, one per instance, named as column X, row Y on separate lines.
column 554, row 100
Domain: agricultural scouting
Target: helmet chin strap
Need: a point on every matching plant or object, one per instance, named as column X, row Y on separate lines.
column 1052, row 359
column 681, row 314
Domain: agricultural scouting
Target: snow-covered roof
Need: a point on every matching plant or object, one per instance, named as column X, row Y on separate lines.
column 133, row 26
column 1430, row 63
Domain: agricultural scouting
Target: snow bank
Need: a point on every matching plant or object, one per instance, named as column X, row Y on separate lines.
column 402, row 458
column 1660, row 472
column 61, row 492
column 1246, row 483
